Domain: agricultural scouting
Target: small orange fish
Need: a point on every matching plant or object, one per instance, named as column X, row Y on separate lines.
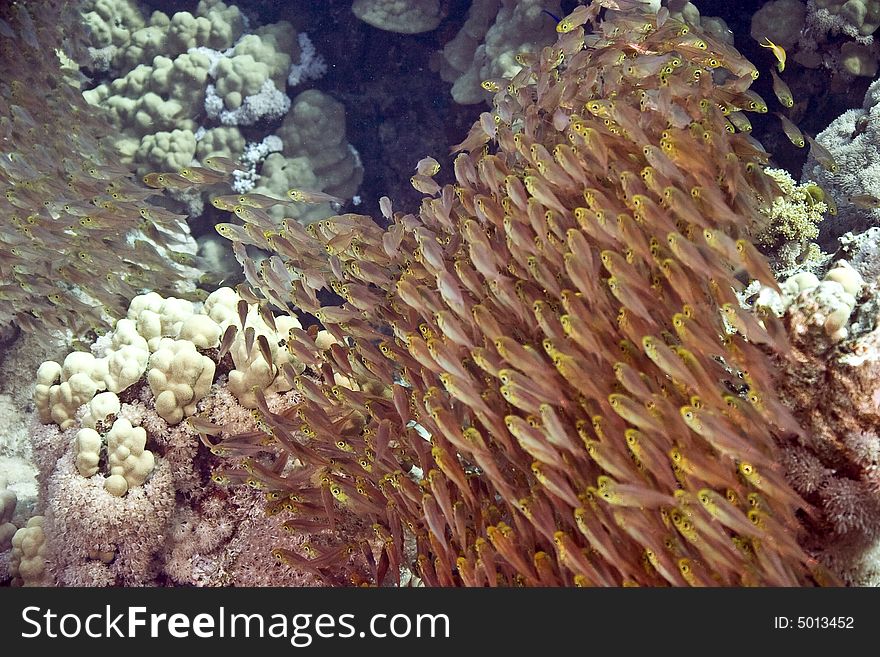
column 782, row 91
column 795, row 136
column 305, row 196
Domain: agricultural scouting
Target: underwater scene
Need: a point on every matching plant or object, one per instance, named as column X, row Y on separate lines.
column 440, row 293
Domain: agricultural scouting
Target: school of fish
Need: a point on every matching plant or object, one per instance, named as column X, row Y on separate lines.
column 550, row 379
column 80, row 235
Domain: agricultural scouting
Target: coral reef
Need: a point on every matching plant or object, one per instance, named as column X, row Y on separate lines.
column 832, row 34
column 128, row 492
column 27, row 564
column 854, row 17
column 488, row 46
column 570, row 365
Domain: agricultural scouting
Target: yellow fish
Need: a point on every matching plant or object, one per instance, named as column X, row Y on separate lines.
column 778, row 52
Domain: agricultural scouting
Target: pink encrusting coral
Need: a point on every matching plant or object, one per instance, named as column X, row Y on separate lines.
column 830, row 379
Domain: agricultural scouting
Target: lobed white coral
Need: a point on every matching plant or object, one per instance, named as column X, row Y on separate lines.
column 28, row 561
column 179, row 377
column 8, row 501
column 487, row 45
column 820, row 308
column 127, row 498
column 130, row 464
column 404, row 16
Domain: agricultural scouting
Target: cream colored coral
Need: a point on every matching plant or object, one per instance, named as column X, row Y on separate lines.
column 87, row 448
column 201, row 330
column 842, row 272
column 813, row 304
column 157, row 317
column 224, row 140
column 61, row 389
column 251, row 369
column 127, row 358
column 316, row 155
column 101, row 408
column 487, row 45
column 800, row 282
column 859, row 59
column 48, row 375
column 130, row 464
column 28, row 563
column 222, row 307
column 179, row 376
column 111, row 22
column 324, row 340
column 8, row 501
column 404, row 16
